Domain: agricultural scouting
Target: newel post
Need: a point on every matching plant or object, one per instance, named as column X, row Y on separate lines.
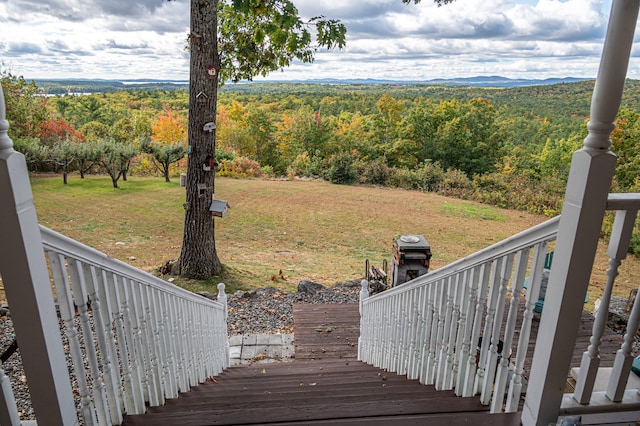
column 28, row 289
column 584, row 205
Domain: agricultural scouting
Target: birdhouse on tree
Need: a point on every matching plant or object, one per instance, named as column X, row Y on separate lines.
column 210, row 164
column 219, row 208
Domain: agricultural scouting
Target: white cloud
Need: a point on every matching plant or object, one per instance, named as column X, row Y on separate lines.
column 386, row 39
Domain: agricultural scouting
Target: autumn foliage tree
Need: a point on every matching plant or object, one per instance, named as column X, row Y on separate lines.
column 56, row 130
column 167, row 144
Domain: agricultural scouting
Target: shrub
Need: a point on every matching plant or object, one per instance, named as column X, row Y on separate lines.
column 341, row 168
column 430, row 175
column 375, row 172
column 404, row 178
column 305, row 166
column 239, row 168
column 456, row 184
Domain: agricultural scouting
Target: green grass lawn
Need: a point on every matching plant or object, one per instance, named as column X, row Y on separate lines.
column 310, row 230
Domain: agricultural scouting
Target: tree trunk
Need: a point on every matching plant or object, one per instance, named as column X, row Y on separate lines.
column 198, row 258
column 165, row 171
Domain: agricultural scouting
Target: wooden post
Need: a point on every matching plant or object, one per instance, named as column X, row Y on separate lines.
column 579, row 229
column 28, row 289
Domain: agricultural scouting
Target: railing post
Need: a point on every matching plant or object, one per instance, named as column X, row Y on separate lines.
column 589, row 181
column 28, row 289
column 364, row 293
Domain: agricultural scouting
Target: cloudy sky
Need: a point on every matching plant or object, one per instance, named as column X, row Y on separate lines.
column 139, row 39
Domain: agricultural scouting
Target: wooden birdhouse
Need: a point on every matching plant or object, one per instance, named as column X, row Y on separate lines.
column 210, row 164
column 219, row 208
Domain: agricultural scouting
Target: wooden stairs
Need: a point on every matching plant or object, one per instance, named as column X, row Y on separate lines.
column 324, row 385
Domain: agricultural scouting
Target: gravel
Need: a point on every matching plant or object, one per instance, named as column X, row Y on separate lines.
column 266, row 310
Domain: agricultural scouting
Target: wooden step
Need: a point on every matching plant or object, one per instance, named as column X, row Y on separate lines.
column 306, row 392
column 326, row 331
column 324, row 385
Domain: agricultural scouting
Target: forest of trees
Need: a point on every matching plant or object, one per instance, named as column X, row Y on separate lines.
column 507, row 147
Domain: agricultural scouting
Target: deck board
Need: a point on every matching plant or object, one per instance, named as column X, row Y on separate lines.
column 326, row 331
column 327, row 385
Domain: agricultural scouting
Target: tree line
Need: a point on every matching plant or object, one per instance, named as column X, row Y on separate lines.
column 507, row 147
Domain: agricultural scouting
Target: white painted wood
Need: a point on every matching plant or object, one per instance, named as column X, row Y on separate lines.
column 468, row 347
column 600, row 403
column 450, row 369
column 470, row 379
column 57, row 263
column 533, row 291
column 464, row 332
column 583, row 209
column 503, row 368
column 113, row 406
column 28, row 289
column 624, row 359
column 491, row 302
column 440, row 350
column 80, row 299
column 8, row 410
column 504, row 278
column 110, row 353
column 617, row 251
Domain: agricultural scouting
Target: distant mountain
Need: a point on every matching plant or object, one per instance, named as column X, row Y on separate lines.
column 79, row 85
column 480, row 81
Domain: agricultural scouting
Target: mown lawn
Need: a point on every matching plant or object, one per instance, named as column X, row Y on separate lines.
column 308, row 229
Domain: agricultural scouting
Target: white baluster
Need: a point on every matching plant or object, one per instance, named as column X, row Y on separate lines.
column 469, row 296
column 432, row 325
column 67, row 313
column 492, row 356
column 149, row 382
column 170, row 365
column 444, row 319
column 131, row 402
column 470, row 388
column 364, row 294
column 104, row 289
column 403, row 333
column 624, row 359
column 452, row 369
column 503, row 368
column 425, row 339
column 80, row 298
column 417, row 334
column 8, row 409
column 617, row 251
column 153, row 338
column 131, row 334
column 488, row 324
column 533, row 291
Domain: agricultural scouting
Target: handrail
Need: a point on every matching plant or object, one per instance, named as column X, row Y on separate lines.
column 134, row 339
column 70, row 247
column 544, row 231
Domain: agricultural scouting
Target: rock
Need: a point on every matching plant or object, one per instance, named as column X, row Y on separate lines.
column 618, row 316
column 241, row 294
column 4, row 310
column 309, row 287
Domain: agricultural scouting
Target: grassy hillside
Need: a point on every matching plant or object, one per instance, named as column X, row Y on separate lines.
column 309, row 229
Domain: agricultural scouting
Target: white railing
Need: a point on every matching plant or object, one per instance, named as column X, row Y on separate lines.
column 133, row 338
column 447, row 327
column 585, row 399
column 431, row 327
